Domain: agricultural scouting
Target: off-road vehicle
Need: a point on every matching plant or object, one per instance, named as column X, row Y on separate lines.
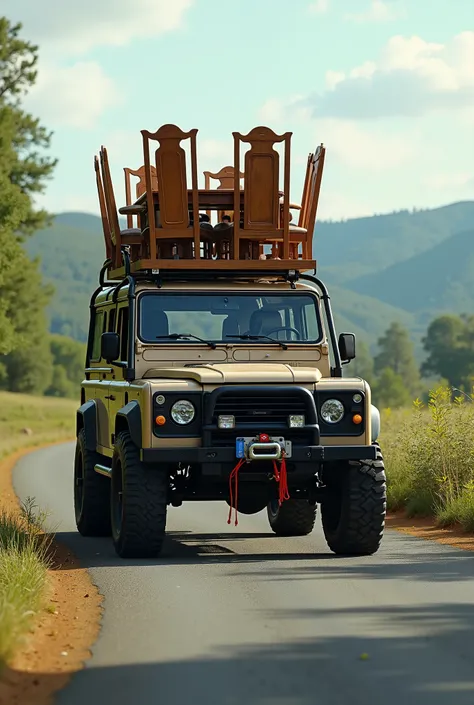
column 224, row 386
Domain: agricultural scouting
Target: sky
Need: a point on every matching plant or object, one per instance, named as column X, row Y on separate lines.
column 386, row 85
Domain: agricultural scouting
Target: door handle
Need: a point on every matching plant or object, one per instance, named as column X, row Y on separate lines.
column 111, row 397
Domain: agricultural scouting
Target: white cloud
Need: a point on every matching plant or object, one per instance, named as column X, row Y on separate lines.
column 219, row 153
column 454, row 180
column 77, row 27
column 335, row 205
column 72, row 96
column 319, row 7
column 411, row 77
column 378, row 11
column 371, row 149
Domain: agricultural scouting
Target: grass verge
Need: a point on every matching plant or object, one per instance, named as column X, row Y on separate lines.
column 24, row 563
column 27, row 421
column 429, row 454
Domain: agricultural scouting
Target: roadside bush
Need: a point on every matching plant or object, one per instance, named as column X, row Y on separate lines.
column 429, row 453
column 23, row 570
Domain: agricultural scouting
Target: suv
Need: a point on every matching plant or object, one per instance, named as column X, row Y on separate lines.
column 224, row 386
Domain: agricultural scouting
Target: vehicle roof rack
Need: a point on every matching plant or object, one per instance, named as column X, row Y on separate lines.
column 289, row 271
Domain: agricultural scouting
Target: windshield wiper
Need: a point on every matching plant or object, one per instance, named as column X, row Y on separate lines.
column 246, row 336
column 185, row 336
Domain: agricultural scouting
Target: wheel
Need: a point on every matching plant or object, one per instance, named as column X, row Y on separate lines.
column 138, row 502
column 295, row 517
column 251, row 503
column 353, row 512
column 91, row 492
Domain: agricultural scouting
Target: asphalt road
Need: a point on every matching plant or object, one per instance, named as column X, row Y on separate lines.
column 236, row 616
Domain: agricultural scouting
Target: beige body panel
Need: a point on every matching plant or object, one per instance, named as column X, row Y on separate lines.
column 241, row 374
column 190, row 366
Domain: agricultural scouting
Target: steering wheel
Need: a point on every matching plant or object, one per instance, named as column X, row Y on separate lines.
column 289, row 328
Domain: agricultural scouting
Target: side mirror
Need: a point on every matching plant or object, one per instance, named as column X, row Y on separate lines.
column 347, row 347
column 110, row 346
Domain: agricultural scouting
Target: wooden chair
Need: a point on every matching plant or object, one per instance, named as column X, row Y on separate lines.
column 140, row 187
column 225, row 177
column 114, row 236
column 175, row 227
column 109, row 246
column 261, row 214
column 303, row 232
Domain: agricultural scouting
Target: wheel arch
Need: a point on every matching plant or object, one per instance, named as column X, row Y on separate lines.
column 86, row 418
column 375, row 423
column 129, row 418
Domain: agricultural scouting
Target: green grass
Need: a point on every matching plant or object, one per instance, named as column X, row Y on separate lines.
column 429, row 455
column 49, row 419
column 23, row 574
column 23, row 547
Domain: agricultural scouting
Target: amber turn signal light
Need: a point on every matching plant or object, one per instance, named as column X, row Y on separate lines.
column 160, row 420
column 357, row 419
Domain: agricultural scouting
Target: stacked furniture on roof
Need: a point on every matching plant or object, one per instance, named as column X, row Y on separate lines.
column 169, row 217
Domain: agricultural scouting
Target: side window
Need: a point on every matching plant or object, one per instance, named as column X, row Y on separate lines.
column 123, row 332
column 111, row 326
column 310, row 321
column 98, row 330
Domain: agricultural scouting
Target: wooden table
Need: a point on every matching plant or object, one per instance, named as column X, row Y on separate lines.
column 211, row 199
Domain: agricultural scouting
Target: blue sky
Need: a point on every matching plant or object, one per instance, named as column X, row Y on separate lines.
column 386, row 85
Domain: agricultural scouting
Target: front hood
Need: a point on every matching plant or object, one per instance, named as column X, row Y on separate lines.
column 234, row 373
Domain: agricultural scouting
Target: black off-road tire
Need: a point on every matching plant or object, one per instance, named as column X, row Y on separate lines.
column 353, row 513
column 295, row 517
column 138, row 502
column 91, row 492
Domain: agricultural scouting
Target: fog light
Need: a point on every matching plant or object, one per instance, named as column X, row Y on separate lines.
column 160, row 399
column 296, row 421
column 357, row 398
column 226, row 421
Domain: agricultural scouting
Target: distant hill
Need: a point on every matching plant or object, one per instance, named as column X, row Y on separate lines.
column 379, row 269
column 71, row 253
column 440, row 279
column 353, row 248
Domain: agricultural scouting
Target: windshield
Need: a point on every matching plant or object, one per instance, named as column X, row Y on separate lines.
column 229, row 318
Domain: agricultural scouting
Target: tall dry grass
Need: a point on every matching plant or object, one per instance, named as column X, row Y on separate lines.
column 24, row 563
column 429, row 454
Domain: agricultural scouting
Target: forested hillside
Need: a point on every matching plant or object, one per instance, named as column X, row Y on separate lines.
column 405, row 258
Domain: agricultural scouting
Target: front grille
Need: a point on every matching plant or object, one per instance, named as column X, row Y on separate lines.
column 226, row 439
column 260, row 408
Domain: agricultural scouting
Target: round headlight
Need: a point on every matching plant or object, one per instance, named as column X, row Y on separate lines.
column 182, row 412
column 332, row 411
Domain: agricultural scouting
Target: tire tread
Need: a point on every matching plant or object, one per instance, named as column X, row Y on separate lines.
column 145, row 498
column 296, row 517
column 364, row 523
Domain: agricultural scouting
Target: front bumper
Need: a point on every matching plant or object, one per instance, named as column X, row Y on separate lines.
column 301, row 454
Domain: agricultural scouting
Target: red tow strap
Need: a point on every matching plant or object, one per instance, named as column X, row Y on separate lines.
column 280, row 475
column 234, row 475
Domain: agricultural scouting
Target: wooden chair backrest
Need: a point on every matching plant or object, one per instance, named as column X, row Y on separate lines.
column 115, row 233
column 140, row 186
column 103, row 210
column 170, row 162
column 225, row 176
column 262, row 178
column 313, row 190
column 304, row 196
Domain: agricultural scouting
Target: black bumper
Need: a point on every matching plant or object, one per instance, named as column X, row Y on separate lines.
column 300, row 454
